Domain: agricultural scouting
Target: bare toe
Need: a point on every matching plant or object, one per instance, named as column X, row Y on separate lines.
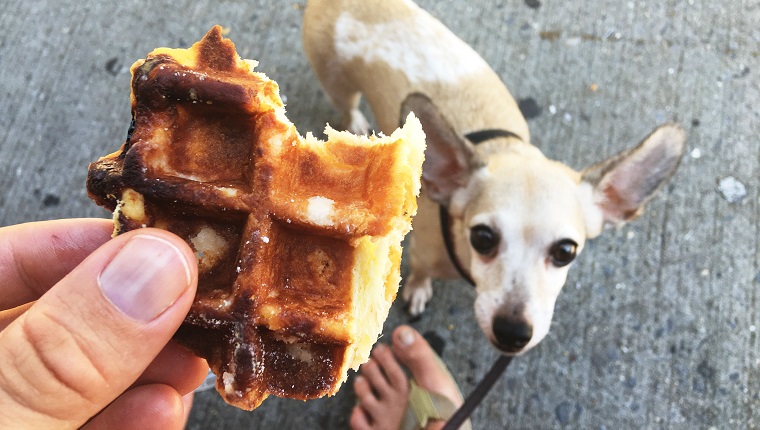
column 394, row 374
column 382, row 388
column 413, row 351
column 382, row 391
column 359, row 419
column 376, row 378
column 366, row 397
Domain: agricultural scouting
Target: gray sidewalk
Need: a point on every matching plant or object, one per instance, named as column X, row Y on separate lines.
column 658, row 324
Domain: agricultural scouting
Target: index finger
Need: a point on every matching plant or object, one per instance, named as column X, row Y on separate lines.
column 35, row 256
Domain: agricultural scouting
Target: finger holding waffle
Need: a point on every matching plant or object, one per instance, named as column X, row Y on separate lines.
column 297, row 240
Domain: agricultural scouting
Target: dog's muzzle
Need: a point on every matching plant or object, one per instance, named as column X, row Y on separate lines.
column 511, row 335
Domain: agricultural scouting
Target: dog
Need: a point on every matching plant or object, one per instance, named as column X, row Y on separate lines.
column 513, row 221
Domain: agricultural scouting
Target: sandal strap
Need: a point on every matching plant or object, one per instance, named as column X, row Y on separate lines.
column 424, row 406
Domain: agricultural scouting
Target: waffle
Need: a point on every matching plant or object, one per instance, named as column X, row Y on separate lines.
column 298, row 240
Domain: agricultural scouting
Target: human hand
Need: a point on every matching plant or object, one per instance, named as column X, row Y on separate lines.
column 85, row 329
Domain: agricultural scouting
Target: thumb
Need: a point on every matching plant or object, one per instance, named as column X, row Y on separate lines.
column 90, row 336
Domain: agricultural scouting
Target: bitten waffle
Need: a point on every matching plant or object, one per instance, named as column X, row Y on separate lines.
column 298, row 240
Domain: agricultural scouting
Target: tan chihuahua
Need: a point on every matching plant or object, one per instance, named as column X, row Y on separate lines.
column 512, row 219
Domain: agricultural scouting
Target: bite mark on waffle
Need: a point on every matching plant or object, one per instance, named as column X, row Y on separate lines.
column 297, row 240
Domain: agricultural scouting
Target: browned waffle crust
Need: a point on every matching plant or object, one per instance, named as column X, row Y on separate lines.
column 297, row 240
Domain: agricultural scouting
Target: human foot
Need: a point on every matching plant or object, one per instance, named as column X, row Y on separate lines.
column 383, row 388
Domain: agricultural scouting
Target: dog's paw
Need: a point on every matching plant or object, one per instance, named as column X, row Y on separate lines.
column 417, row 295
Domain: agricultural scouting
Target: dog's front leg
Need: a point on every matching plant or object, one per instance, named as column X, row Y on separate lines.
column 346, row 98
column 427, row 260
column 417, row 291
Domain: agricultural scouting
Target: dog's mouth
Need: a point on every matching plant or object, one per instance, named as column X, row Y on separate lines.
column 510, row 350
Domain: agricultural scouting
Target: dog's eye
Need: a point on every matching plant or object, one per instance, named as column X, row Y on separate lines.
column 483, row 239
column 563, row 252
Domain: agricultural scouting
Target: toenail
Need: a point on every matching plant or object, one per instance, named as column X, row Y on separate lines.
column 406, row 336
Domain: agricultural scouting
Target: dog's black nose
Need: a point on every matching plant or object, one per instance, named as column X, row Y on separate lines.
column 512, row 335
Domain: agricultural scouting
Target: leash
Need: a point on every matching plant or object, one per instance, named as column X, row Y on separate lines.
column 474, row 399
column 484, row 386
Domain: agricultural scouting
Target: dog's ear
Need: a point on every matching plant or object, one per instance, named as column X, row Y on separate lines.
column 449, row 158
column 624, row 183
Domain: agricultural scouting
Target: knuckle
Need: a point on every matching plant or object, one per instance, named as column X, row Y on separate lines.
column 59, row 363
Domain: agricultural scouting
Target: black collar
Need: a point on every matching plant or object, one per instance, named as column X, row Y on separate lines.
column 490, row 133
column 475, row 137
column 446, row 226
